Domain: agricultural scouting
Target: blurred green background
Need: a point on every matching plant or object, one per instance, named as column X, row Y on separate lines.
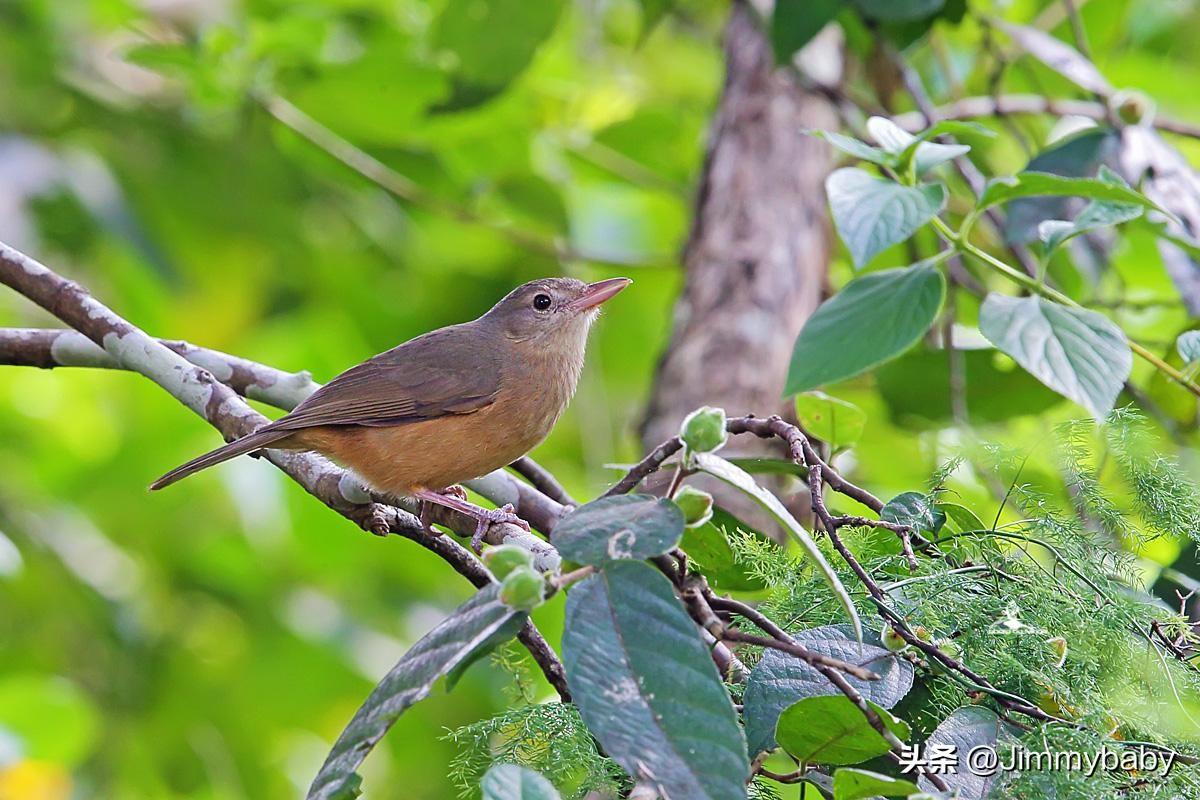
column 210, row 642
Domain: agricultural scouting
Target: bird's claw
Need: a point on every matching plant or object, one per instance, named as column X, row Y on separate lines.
column 505, row 514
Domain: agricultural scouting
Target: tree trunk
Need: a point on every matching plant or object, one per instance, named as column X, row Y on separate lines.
column 758, row 251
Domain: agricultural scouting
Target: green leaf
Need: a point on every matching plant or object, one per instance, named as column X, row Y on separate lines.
column 795, row 22
column 720, row 468
column 1039, row 184
column 965, row 729
column 871, row 320
column 859, row 784
column 1097, row 214
column 960, row 519
column 514, row 782
column 647, row 688
column 770, row 466
column 872, row 214
column 1078, row 353
column 1188, row 346
column 492, row 41
column 473, row 625
column 652, row 13
column 907, row 147
column 780, row 679
column 832, row 730
column 632, row 526
column 898, row 10
column 915, row 509
column 830, row 419
column 852, row 146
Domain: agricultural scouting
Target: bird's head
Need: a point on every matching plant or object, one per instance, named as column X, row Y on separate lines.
column 551, row 310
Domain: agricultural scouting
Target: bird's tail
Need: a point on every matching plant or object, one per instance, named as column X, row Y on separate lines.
column 247, row 444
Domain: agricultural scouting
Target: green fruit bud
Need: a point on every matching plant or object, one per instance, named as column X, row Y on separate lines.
column 524, row 589
column 696, row 504
column 892, row 639
column 950, row 648
column 1059, row 645
column 703, row 430
column 503, row 559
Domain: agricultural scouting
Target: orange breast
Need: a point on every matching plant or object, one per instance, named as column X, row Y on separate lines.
column 431, row 454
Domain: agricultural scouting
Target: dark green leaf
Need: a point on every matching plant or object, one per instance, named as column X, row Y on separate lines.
column 830, row 419
column 915, row 509
column 795, row 22
column 1097, row 214
column 1038, row 184
column 872, row 214
column 871, row 320
column 647, row 688
column 966, row 728
column 1078, row 353
column 708, row 548
column 859, row 784
column 779, row 679
column 832, row 730
column 898, row 10
column 513, row 782
column 632, row 526
column 455, row 640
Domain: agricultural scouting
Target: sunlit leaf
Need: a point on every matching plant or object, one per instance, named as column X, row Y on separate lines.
column 1078, row 353
column 859, row 784
column 872, row 214
column 832, row 730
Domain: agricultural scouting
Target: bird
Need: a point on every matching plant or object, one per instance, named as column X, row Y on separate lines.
column 447, row 406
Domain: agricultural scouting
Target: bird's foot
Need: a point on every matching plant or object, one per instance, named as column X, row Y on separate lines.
column 505, row 514
column 484, row 517
column 455, row 492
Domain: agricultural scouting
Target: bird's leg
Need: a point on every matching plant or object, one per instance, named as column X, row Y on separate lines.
column 484, row 517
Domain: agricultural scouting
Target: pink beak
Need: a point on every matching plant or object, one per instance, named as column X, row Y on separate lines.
column 597, row 293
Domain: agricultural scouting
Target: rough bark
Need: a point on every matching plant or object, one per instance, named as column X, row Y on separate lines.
column 757, row 255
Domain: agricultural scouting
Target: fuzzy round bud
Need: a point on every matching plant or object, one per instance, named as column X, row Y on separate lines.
column 503, row 559
column 524, row 589
column 696, row 505
column 703, row 430
column 892, row 640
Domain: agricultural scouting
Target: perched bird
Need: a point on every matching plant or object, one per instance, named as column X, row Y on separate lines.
column 448, row 406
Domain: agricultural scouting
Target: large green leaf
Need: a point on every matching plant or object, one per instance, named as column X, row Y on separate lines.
column 1039, row 184
column 832, row 730
column 634, row 526
column 646, row 686
column 898, row 10
column 872, row 214
column 780, row 679
column 514, row 782
column 965, row 729
column 830, row 419
column 859, row 784
column 915, row 509
column 871, row 320
column 1078, row 353
column 708, row 549
column 738, row 478
column 795, row 22
column 473, row 625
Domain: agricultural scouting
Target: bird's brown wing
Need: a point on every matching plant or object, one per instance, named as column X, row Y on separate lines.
column 448, row 371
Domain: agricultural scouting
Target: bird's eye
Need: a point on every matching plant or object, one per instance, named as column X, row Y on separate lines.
column 541, row 301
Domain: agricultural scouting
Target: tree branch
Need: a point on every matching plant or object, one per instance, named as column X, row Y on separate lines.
column 196, row 387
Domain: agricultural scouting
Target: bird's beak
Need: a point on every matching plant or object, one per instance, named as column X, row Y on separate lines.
column 597, row 293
